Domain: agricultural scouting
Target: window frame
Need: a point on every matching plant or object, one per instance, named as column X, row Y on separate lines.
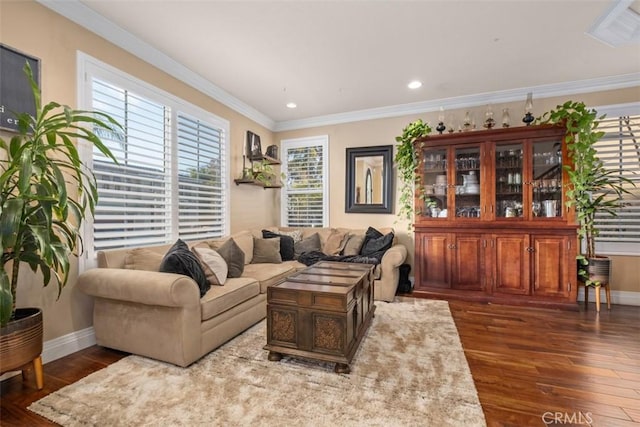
column 88, row 68
column 285, row 144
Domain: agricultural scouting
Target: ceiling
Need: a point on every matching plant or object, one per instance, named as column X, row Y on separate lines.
column 335, row 58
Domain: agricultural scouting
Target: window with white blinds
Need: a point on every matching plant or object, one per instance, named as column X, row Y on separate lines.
column 305, row 194
column 619, row 150
column 170, row 181
column 201, row 172
column 134, row 205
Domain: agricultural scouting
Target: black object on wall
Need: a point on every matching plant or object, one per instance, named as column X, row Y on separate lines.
column 16, row 95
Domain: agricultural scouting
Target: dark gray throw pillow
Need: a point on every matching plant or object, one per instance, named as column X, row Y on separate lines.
column 375, row 241
column 234, row 257
column 287, row 251
column 311, row 243
column 180, row 260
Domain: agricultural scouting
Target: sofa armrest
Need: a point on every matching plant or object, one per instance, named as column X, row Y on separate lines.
column 394, row 256
column 144, row 287
column 385, row 287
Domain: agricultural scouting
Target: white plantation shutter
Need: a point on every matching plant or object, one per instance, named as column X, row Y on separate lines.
column 171, row 178
column 619, row 149
column 305, row 194
column 135, row 199
column 201, row 179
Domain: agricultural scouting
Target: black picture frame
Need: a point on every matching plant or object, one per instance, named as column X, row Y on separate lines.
column 363, row 180
column 254, row 146
column 16, row 95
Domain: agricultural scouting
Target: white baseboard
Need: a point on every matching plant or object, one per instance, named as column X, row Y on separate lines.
column 67, row 344
column 63, row 346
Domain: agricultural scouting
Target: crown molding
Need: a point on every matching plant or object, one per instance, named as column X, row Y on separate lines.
column 467, row 101
column 86, row 17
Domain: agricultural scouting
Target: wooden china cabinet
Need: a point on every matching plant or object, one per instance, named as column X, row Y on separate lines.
column 491, row 222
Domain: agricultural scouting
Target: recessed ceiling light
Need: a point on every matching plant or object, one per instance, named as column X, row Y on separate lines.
column 291, row 105
column 414, row 84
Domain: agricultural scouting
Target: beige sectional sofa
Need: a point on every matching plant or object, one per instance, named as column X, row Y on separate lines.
column 161, row 315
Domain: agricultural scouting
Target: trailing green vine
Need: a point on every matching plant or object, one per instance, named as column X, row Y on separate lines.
column 592, row 188
column 407, row 160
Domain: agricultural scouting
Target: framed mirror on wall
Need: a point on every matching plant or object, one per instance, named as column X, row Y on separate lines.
column 369, row 180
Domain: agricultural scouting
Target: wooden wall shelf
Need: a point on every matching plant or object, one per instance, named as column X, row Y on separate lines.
column 256, row 183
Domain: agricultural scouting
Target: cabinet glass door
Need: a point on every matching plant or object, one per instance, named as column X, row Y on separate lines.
column 547, row 179
column 435, row 182
column 509, row 180
column 467, row 185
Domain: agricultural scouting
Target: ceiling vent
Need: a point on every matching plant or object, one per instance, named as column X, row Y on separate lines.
column 619, row 24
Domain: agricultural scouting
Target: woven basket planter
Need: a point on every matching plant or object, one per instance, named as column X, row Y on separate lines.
column 21, row 340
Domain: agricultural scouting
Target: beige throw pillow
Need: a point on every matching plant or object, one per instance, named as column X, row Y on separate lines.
column 142, row 259
column 354, row 243
column 266, row 251
column 335, row 242
column 214, row 266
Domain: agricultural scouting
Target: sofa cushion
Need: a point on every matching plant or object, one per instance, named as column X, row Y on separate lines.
column 268, row 274
column 286, row 244
column 266, row 251
column 214, row 266
column 180, row 260
column 233, row 256
column 142, row 259
column 374, row 242
column 308, row 244
column 221, row 298
column 335, row 242
column 294, row 265
column 353, row 245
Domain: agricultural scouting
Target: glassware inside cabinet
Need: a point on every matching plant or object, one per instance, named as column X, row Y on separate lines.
column 467, row 185
column 509, row 181
column 435, row 182
column 547, row 179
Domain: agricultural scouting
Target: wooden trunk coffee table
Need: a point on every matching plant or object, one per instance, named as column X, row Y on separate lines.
column 321, row 312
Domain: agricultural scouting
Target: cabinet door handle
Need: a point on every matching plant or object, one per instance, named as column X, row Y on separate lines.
column 530, row 249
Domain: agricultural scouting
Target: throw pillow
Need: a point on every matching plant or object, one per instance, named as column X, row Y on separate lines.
column 180, row 260
column 286, row 244
column 354, row 244
column 142, row 259
column 311, row 243
column 233, row 256
column 374, row 241
column 214, row 266
column 266, row 251
column 335, row 242
column 296, row 234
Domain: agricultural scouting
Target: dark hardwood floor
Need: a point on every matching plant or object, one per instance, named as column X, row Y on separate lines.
column 532, row 367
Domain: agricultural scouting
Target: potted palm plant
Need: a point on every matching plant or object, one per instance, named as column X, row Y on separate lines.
column 592, row 187
column 45, row 194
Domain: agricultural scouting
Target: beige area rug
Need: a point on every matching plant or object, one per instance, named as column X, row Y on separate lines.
column 410, row 370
